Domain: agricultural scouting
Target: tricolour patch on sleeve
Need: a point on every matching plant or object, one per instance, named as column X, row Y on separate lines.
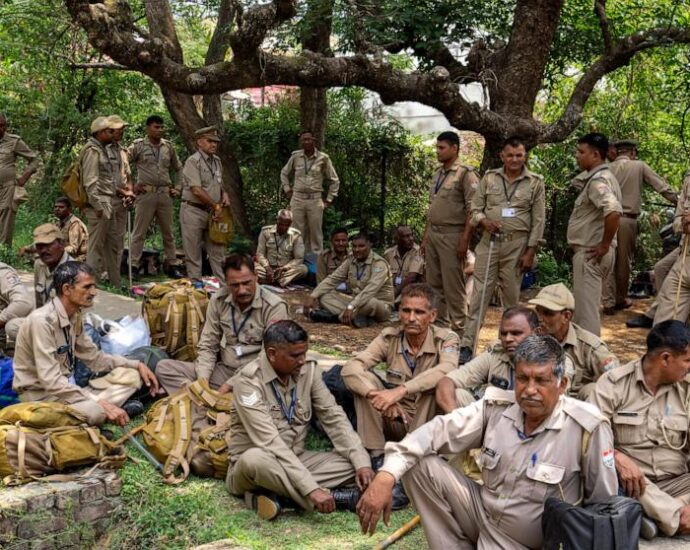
column 607, row 458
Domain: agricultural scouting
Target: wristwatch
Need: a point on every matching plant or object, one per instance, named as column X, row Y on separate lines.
column 350, row 307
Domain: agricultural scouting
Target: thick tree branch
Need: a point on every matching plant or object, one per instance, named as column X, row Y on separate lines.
column 254, row 24
column 104, row 66
column 600, row 10
column 620, row 55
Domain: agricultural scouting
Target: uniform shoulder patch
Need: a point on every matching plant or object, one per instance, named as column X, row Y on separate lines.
column 603, row 188
column 390, row 331
column 250, row 369
column 249, row 399
column 272, row 299
column 607, row 457
column 585, row 414
column 496, row 396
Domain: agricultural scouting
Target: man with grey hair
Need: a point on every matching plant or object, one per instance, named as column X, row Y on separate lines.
column 11, row 148
column 280, row 252
column 531, row 444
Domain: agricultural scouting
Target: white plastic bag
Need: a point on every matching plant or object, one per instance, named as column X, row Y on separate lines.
column 126, row 335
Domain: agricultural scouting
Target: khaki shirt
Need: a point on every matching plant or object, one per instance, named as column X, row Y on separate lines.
column 411, row 262
column 652, row 429
column 519, row 473
column 683, row 205
column 202, row 170
column 437, row 356
column 119, row 164
column 327, row 263
column 43, row 279
column 15, row 301
column 451, row 193
column 257, row 420
column 97, row 176
column 41, row 359
column 75, row 236
column 11, row 147
column 631, row 176
column 518, row 206
column 492, row 367
column 591, row 358
column 275, row 250
column 153, row 163
column 600, row 195
column 368, row 279
column 233, row 337
column 310, row 173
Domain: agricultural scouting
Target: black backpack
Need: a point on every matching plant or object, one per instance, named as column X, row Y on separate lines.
column 610, row 525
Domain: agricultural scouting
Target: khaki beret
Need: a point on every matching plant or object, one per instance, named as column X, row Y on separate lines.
column 46, row 234
column 100, row 123
column 116, row 122
column 555, row 298
column 210, row 132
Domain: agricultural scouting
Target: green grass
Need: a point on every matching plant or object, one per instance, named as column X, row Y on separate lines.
column 159, row 516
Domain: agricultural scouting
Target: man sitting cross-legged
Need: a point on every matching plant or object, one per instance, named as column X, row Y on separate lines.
column 275, row 398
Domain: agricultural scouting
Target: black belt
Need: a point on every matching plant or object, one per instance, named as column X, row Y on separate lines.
column 197, row 205
column 629, row 216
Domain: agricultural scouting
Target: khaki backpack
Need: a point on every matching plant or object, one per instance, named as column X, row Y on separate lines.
column 71, row 183
column 39, row 440
column 175, row 313
column 220, row 230
column 186, row 432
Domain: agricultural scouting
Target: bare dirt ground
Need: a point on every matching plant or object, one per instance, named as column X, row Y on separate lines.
column 628, row 344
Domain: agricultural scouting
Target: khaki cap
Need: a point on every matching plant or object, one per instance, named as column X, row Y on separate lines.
column 120, row 375
column 100, row 123
column 116, row 122
column 210, row 132
column 554, row 297
column 626, row 143
column 46, row 234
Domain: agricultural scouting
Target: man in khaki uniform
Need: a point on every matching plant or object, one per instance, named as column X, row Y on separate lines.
column 368, row 277
column 202, row 195
column 11, row 148
column 631, row 175
column 407, row 263
column 309, row 167
column 154, row 157
column 673, row 300
column 661, row 270
column 494, row 367
column 74, row 233
column 531, row 449
column 15, row 305
column 236, row 319
column 590, row 355
column 50, row 341
column 331, row 259
column 280, row 252
column 509, row 206
column 275, row 398
column 592, row 228
column 417, row 355
column 447, row 234
column 124, row 196
column 97, row 177
column 646, row 402
column 51, row 252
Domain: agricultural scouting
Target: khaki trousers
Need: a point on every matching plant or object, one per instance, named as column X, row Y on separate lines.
column 618, row 281
column 374, row 430
column 503, row 270
column 194, row 225
column 588, row 278
column 120, row 229
column 150, row 205
column 663, row 500
column 666, row 299
column 450, row 504
column 444, row 271
column 307, row 216
column 174, row 375
column 337, row 302
column 102, row 249
column 7, row 212
column 116, row 394
column 289, row 275
column 259, row 469
column 661, row 271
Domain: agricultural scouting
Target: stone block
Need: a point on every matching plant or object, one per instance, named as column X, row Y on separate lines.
column 68, row 539
column 12, row 503
column 93, row 511
column 92, row 490
column 37, row 525
column 41, row 500
column 113, row 486
column 68, row 497
column 8, row 527
column 43, row 544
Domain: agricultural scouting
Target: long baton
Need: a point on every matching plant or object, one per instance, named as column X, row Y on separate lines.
column 143, row 450
column 492, row 242
column 129, row 247
column 400, row 533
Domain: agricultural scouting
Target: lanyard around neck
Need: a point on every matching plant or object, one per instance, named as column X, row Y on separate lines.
column 411, row 362
column 235, row 329
column 288, row 413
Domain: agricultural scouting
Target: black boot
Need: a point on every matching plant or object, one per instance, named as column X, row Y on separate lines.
column 346, row 498
column 465, row 355
column 133, row 408
column 400, row 499
column 639, row 321
column 377, row 462
column 323, row 316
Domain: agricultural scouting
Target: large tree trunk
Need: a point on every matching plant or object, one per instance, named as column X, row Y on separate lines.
column 314, row 112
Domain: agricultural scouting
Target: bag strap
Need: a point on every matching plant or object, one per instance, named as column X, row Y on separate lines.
column 182, row 436
column 586, row 436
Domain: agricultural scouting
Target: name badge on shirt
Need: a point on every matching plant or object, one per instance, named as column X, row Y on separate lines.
column 238, row 351
column 508, row 212
column 398, row 280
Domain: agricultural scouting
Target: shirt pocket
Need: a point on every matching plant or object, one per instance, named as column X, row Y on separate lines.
column 522, row 196
column 545, row 479
column 675, row 429
column 488, row 464
column 629, row 429
column 302, row 412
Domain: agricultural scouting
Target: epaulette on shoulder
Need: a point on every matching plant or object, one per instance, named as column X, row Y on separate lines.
column 441, row 332
column 588, row 338
column 294, row 231
column 390, row 332
column 250, row 369
column 13, row 136
column 295, row 152
column 270, row 298
column 497, row 396
column 585, row 414
column 268, row 227
column 138, row 140
column 622, row 371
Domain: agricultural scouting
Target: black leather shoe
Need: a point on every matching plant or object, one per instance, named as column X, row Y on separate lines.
column 639, row 321
column 323, row 316
column 133, row 408
column 360, row 321
column 465, row 355
column 400, row 499
column 267, row 507
column 175, row 272
column 346, row 498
